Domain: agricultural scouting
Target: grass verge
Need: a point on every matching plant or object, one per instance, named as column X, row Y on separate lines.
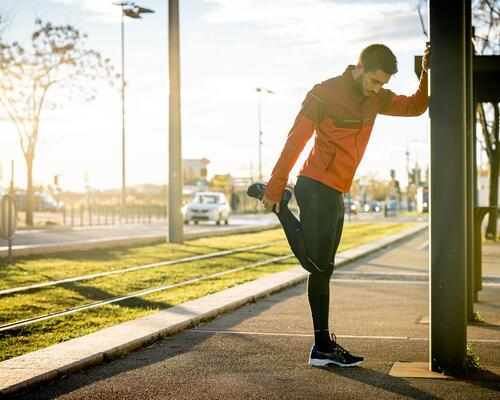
column 36, row 269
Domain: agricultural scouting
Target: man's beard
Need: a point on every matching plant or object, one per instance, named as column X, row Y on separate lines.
column 359, row 82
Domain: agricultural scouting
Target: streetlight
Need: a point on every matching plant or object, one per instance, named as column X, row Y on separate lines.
column 131, row 10
column 175, row 176
column 260, row 90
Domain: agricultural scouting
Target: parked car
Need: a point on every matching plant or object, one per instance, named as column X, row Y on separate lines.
column 351, row 205
column 207, row 206
column 391, row 207
column 373, row 206
column 42, row 202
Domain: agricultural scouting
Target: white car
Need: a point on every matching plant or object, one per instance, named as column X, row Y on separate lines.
column 207, row 206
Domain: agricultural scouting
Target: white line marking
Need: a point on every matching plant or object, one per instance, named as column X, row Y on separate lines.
column 398, row 281
column 423, row 245
column 381, row 281
column 290, row 334
column 339, row 336
column 347, row 272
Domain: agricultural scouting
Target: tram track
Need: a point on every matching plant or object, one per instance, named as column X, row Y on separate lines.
column 142, row 292
column 21, row 289
column 116, row 299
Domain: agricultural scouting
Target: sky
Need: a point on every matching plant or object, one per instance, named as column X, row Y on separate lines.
column 228, row 48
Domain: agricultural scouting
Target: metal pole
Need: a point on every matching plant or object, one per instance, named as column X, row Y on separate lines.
column 9, row 224
column 407, row 154
column 259, row 111
column 477, row 246
column 9, row 255
column 448, row 286
column 469, row 109
column 12, row 176
column 124, row 194
column 175, row 223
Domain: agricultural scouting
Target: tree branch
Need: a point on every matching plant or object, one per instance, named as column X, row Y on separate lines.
column 13, row 114
column 496, row 139
column 37, row 118
column 19, row 128
column 486, row 134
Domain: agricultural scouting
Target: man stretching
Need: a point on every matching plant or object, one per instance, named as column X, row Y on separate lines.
column 342, row 111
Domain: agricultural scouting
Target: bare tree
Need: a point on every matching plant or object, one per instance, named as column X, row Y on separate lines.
column 5, row 19
column 486, row 18
column 492, row 147
column 57, row 58
column 376, row 188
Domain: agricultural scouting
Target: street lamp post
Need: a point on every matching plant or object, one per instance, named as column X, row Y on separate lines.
column 131, row 10
column 259, row 91
column 175, row 176
column 12, row 177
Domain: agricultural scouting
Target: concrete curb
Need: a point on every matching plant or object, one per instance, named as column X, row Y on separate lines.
column 20, row 373
column 26, row 250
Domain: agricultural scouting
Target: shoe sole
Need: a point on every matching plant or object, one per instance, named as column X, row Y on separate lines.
column 325, row 363
column 260, row 195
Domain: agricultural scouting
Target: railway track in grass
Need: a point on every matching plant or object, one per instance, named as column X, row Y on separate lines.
column 117, row 299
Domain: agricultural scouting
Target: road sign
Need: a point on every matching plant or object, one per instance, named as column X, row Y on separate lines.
column 8, row 216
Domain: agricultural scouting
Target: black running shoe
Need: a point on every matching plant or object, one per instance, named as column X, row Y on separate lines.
column 336, row 356
column 258, row 189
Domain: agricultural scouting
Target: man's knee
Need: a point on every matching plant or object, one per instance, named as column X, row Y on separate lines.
column 322, row 264
column 321, row 268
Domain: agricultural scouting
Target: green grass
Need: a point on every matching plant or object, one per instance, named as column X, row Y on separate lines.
column 463, row 368
column 412, row 213
column 476, row 317
column 36, row 269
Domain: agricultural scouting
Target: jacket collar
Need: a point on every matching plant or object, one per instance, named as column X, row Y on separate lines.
column 353, row 85
column 349, row 80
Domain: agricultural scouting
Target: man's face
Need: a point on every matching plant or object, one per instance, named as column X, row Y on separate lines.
column 371, row 82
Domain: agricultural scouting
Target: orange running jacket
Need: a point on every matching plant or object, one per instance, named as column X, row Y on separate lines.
column 343, row 119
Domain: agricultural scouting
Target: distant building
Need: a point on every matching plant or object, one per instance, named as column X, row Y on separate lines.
column 483, row 191
column 222, row 183
column 195, row 175
column 423, row 198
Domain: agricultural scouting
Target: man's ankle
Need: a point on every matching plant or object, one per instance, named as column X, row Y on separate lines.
column 322, row 339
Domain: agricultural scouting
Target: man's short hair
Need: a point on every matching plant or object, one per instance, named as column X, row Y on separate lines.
column 379, row 56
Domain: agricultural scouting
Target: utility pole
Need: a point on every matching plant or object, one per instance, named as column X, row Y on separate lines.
column 131, row 10
column 175, row 221
column 123, row 211
column 407, row 153
column 259, row 116
column 12, row 176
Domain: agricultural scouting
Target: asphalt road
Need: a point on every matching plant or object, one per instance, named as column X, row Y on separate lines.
column 70, row 235
column 260, row 351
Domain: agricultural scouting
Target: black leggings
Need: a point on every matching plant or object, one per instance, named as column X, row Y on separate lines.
column 314, row 240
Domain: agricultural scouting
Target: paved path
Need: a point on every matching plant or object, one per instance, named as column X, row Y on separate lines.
column 37, row 241
column 50, row 240
column 260, row 350
column 63, row 235
column 68, row 235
